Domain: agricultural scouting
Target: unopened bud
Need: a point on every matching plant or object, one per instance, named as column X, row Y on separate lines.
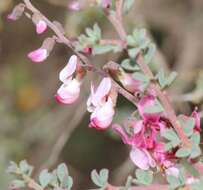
column 17, row 12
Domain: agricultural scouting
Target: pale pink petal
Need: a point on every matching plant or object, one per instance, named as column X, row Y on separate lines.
column 139, row 158
column 102, row 117
column 138, row 126
column 69, row 69
column 38, row 55
column 41, row 27
column 90, row 107
column 173, row 171
column 106, row 3
column 12, row 17
column 102, row 91
column 130, row 83
column 68, row 93
column 122, row 133
column 151, row 161
column 192, row 180
column 74, row 6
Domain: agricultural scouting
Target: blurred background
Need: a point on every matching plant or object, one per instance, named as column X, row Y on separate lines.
column 36, row 128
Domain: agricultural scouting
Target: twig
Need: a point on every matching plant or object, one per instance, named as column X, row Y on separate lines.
column 146, row 70
column 63, row 39
column 164, row 100
column 32, row 183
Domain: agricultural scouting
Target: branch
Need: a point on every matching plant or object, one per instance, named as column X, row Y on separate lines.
column 63, row 39
column 117, row 23
column 164, row 100
column 32, row 183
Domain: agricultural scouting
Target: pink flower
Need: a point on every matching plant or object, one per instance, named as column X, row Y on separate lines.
column 106, row 3
column 38, row 55
column 145, row 103
column 196, row 116
column 74, row 6
column 41, row 26
column 101, row 105
column 17, row 12
column 69, row 91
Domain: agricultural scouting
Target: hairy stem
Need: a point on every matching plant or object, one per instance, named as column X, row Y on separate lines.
column 65, row 40
column 117, row 23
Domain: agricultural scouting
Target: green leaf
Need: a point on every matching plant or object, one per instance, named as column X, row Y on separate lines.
column 129, row 65
column 143, row 78
column 54, row 179
column 25, row 167
column 171, row 78
column 131, row 41
column 62, row 171
column 190, row 168
column 45, row 178
column 188, row 124
column 144, row 177
column 133, row 52
column 196, row 152
column 139, row 35
column 16, row 184
column 161, row 78
column 150, row 53
column 171, row 135
column 97, row 31
column 101, row 49
column 183, row 152
column 195, row 138
column 173, row 181
column 168, row 146
column 104, row 175
column 96, row 179
column 67, row 182
column 127, row 5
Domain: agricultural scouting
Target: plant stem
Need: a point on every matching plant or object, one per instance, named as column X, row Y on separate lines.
column 63, row 39
column 31, row 183
column 164, row 100
column 117, row 23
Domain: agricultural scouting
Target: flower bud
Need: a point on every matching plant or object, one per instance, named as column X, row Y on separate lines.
column 74, row 5
column 17, row 12
column 41, row 25
column 38, row 55
column 69, row 92
column 43, row 52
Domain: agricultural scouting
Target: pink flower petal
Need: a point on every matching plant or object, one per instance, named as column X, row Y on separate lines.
column 68, row 93
column 196, row 116
column 102, row 91
column 102, row 117
column 38, row 55
column 173, row 171
column 139, row 158
column 41, row 27
column 69, row 69
column 74, row 6
column 138, row 126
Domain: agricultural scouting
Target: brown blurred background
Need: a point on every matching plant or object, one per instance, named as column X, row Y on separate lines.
column 34, row 127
